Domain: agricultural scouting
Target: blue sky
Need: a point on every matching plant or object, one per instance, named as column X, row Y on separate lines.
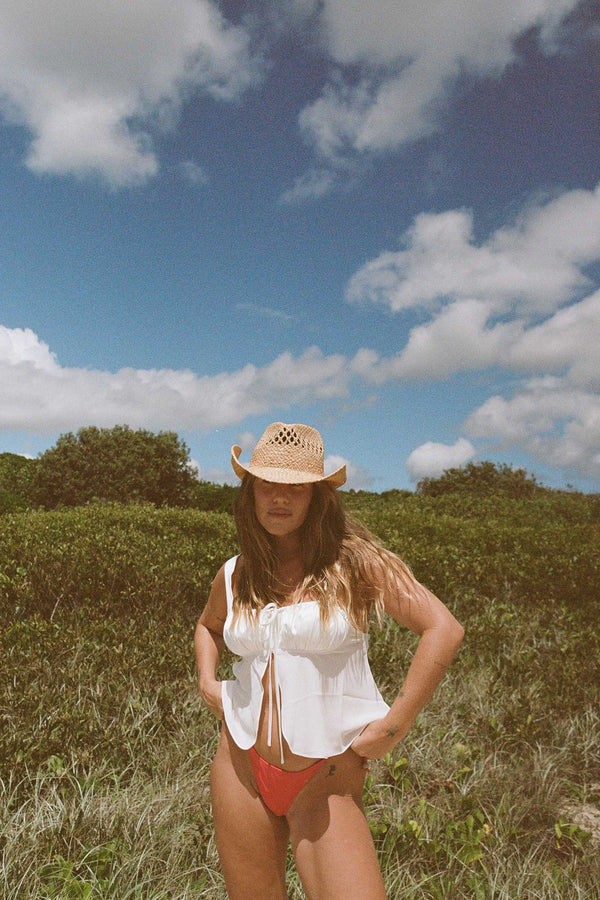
column 381, row 219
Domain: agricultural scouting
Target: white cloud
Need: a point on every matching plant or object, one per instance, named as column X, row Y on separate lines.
column 536, row 263
column 508, row 304
column 247, row 441
column 357, row 477
column 266, row 312
column 408, row 55
column 556, row 423
column 568, row 341
column 430, row 460
column 458, row 338
column 465, row 335
column 316, row 183
column 37, row 394
column 194, row 174
column 555, row 417
column 90, row 79
column 387, row 33
column 22, row 347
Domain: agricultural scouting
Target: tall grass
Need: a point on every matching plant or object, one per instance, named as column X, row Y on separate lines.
column 139, row 830
column 105, row 750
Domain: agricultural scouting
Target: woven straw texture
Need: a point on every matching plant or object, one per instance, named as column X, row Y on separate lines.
column 289, row 454
column 286, row 446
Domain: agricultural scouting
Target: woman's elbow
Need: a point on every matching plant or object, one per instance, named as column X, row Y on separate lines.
column 456, row 633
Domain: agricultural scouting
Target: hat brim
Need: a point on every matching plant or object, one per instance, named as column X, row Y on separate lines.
column 285, row 476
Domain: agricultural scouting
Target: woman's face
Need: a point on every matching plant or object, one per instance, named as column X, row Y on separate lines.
column 281, row 508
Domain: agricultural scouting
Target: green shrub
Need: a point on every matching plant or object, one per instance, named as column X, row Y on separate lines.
column 114, row 464
column 482, row 479
column 11, row 503
column 212, row 497
column 17, row 474
column 115, row 558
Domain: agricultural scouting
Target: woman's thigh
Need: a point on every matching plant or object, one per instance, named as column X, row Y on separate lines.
column 331, row 839
column 251, row 841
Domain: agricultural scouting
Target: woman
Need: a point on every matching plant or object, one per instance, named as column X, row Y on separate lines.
column 303, row 715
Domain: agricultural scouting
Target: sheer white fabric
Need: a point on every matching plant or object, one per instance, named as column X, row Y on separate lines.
column 324, row 690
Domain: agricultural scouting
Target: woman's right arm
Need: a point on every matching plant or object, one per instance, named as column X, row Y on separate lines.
column 208, row 644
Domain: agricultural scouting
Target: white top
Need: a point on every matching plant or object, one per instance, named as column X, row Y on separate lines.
column 325, row 692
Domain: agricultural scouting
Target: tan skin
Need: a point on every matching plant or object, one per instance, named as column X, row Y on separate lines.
column 329, row 833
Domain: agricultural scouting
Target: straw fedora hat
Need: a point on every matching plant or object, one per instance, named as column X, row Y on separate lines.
column 289, row 454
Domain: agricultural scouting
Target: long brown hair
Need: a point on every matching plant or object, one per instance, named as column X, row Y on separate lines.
column 344, row 564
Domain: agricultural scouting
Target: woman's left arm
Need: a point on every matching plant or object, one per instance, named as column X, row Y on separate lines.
column 440, row 638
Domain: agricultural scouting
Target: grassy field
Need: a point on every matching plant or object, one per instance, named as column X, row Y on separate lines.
column 105, row 750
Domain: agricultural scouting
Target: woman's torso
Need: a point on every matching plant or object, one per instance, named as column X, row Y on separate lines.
column 289, row 655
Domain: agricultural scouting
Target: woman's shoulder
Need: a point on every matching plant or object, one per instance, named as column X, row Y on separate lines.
column 227, row 575
column 225, row 572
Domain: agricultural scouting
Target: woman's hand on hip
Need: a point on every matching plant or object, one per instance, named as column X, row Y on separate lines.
column 377, row 739
column 210, row 692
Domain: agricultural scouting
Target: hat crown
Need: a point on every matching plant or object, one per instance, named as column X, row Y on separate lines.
column 295, row 447
column 289, row 454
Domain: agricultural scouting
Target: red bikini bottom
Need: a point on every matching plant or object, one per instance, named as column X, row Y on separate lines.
column 277, row 787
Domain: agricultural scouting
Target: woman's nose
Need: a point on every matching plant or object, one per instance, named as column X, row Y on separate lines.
column 282, row 492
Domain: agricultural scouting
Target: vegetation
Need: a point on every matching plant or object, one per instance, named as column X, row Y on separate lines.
column 109, row 465
column 483, row 479
column 105, row 749
column 17, row 474
column 114, row 464
column 212, row 497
